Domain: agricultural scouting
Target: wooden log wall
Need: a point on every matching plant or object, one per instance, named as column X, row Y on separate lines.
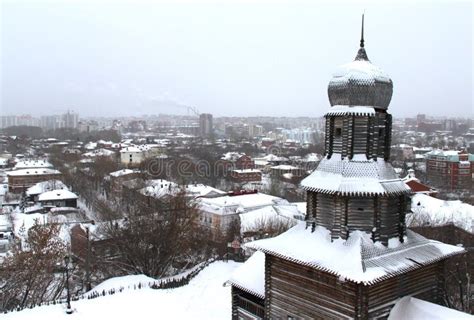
column 305, row 293
column 328, row 136
column 349, row 135
column 361, row 130
column 338, row 131
column 302, row 292
column 389, row 211
column 361, row 213
column 424, row 283
column 325, row 210
column 388, row 136
column 383, row 217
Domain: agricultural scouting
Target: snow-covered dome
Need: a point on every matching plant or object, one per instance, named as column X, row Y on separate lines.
column 360, row 83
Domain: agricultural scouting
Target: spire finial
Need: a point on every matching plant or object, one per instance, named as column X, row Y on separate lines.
column 362, row 33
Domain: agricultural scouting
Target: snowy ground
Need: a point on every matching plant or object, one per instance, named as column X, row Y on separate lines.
column 204, row 297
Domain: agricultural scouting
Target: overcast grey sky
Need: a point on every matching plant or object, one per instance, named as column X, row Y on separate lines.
column 228, row 58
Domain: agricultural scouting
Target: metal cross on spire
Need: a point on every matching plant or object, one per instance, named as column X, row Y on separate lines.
column 361, row 54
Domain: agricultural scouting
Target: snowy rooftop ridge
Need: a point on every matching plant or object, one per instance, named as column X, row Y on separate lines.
column 365, row 261
column 357, row 176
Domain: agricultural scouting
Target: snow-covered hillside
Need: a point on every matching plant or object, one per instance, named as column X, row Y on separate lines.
column 204, row 297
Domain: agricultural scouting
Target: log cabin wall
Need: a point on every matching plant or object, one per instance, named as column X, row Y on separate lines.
column 424, row 283
column 355, row 134
column 361, row 128
column 381, row 216
column 300, row 292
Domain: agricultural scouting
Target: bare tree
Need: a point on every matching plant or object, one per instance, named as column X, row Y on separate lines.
column 27, row 276
column 156, row 243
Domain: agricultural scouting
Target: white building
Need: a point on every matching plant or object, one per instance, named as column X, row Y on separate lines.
column 135, row 154
column 219, row 213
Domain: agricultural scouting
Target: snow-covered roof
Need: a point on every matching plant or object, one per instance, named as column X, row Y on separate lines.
column 32, row 172
column 357, row 176
column 261, row 162
column 99, row 153
column 160, row 188
column 350, row 110
column 238, row 204
column 364, row 261
column 90, row 146
column 312, row 157
column 246, row 171
column 449, row 155
column 28, row 163
column 429, row 211
column 57, row 195
column 445, row 153
column 202, row 190
column 301, row 206
column 274, row 158
column 232, row 156
column 122, row 172
column 253, row 219
column 250, row 276
column 284, row 167
column 44, row 186
column 33, row 209
column 136, row 149
column 413, row 308
column 360, row 69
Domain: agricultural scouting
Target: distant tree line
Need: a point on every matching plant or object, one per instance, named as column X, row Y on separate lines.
column 62, row 134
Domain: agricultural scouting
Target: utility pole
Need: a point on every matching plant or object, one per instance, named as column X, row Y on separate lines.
column 88, row 261
column 66, row 265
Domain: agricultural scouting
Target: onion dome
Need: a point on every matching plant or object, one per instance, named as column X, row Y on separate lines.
column 360, row 83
